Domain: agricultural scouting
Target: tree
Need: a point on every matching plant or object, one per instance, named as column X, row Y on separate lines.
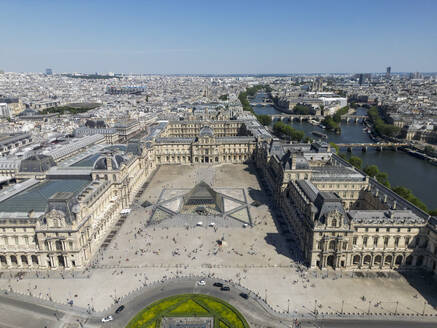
column 382, row 178
column 337, row 149
column 408, row 195
column 330, row 124
column 380, row 126
column 281, row 128
column 356, row 161
column 339, row 113
column 264, row 119
column 433, row 212
column 300, row 109
column 371, row 170
column 402, row 191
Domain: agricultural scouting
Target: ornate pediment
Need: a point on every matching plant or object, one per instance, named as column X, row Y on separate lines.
column 334, row 218
column 55, row 218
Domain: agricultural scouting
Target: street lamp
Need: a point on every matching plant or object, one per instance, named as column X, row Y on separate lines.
column 288, row 307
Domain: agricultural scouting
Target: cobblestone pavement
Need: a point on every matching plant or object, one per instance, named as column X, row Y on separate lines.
column 262, row 258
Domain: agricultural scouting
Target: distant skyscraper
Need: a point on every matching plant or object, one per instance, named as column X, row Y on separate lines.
column 49, row 71
column 388, row 71
column 361, row 79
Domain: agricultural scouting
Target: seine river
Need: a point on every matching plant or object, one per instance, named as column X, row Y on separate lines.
column 402, row 168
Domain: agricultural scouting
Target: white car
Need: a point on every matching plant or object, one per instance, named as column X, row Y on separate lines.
column 212, row 224
column 108, row 318
column 201, row 283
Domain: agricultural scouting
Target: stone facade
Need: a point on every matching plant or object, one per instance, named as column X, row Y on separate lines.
column 342, row 218
column 73, row 225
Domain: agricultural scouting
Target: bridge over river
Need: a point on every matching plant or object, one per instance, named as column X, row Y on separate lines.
column 379, row 146
column 300, row 118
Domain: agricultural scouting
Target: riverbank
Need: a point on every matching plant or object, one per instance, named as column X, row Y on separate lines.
column 403, row 168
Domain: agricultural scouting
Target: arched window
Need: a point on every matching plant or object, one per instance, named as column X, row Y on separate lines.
column 14, row 260
column 34, row 259
column 388, row 260
column 367, row 259
column 321, row 244
column 334, row 222
column 378, row 259
column 356, row 260
column 24, row 260
column 331, row 245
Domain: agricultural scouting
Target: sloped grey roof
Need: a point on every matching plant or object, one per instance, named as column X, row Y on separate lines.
column 300, row 161
column 37, row 163
column 309, row 189
column 336, row 173
column 327, row 202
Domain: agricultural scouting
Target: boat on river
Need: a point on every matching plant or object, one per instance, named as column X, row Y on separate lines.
column 320, row 134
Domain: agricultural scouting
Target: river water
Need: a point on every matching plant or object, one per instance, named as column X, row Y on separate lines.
column 403, row 169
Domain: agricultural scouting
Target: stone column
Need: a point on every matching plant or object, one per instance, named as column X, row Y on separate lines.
column 20, row 263
column 8, row 261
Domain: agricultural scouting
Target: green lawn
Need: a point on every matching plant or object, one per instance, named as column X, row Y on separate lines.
column 189, row 305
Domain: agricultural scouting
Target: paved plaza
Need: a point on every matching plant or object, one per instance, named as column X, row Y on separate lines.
column 262, row 258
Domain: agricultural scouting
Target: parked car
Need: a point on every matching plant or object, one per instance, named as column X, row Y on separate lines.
column 108, row 318
column 218, row 284
column 119, row 309
column 225, row 288
column 244, row 295
column 201, row 283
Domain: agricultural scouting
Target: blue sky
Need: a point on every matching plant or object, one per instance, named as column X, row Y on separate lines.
column 184, row 36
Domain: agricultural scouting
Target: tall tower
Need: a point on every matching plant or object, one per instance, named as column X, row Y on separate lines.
column 388, row 71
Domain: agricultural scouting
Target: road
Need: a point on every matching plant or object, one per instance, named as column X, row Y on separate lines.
column 251, row 309
column 370, row 324
column 17, row 313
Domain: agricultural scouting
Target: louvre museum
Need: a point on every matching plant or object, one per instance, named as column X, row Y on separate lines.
column 64, row 204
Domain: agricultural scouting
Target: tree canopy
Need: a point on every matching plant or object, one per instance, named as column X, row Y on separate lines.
column 380, row 126
column 284, row 129
column 264, row 119
column 356, row 161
